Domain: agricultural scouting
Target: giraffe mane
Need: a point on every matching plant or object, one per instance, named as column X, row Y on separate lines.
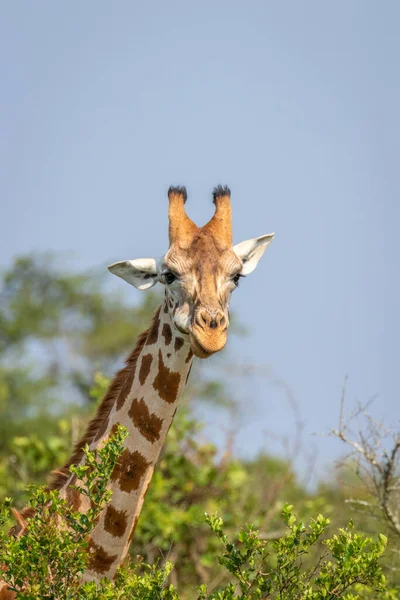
column 60, row 476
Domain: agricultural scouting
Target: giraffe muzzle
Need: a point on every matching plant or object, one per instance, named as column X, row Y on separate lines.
column 204, row 344
column 208, row 332
column 198, row 349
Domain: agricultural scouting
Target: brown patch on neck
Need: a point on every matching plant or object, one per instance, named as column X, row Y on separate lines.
column 178, row 344
column 189, row 356
column 145, row 367
column 99, row 560
column 153, row 332
column 73, row 497
column 115, row 521
column 21, row 517
column 6, row 594
column 148, row 424
column 167, row 382
column 119, row 386
column 167, row 333
column 129, row 470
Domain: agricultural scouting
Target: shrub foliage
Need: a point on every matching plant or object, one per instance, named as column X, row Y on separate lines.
column 49, row 559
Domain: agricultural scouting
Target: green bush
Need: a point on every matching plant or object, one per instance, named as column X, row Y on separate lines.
column 47, row 562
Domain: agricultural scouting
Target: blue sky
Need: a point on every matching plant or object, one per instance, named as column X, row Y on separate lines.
column 294, row 105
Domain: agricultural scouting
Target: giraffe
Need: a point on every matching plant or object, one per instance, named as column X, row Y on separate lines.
column 199, row 271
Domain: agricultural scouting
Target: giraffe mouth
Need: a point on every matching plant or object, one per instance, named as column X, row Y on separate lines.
column 198, row 349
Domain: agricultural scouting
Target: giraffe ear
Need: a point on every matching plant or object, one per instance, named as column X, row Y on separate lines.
column 251, row 251
column 142, row 272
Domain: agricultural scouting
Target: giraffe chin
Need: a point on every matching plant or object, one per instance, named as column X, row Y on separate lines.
column 199, row 350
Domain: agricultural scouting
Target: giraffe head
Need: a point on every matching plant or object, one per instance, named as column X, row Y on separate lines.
column 200, row 270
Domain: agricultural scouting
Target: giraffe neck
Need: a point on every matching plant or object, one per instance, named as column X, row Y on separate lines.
column 145, row 405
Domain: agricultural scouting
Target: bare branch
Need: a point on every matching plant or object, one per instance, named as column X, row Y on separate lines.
column 375, row 465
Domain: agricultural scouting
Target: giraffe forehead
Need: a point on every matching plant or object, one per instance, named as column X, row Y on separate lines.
column 204, row 258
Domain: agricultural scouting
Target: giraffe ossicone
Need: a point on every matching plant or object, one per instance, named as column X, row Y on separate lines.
column 199, row 271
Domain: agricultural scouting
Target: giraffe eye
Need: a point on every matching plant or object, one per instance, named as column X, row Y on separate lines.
column 169, row 277
column 236, row 279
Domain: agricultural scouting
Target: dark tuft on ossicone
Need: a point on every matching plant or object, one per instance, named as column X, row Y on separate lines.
column 221, row 190
column 178, row 190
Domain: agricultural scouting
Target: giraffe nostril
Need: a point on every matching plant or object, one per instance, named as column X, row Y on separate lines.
column 213, row 324
column 222, row 321
column 203, row 318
